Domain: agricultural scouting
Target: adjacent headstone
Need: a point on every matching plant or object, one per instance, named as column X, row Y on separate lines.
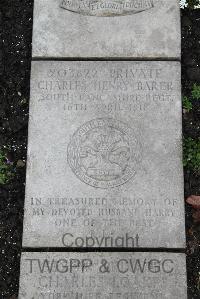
column 104, row 155
column 103, row 276
column 107, row 28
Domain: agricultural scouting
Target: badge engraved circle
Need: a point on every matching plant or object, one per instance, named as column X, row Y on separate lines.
column 104, row 153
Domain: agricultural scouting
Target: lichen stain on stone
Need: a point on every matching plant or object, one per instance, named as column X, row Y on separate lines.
column 107, row 8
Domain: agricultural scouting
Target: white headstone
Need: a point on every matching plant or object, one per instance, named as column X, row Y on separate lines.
column 103, row 276
column 107, row 28
column 104, row 155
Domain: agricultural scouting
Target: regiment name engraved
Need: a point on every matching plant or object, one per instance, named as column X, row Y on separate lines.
column 106, row 8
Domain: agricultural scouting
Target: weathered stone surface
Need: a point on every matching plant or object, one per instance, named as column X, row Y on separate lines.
column 108, row 8
column 104, row 155
column 107, row 28
column 103, row 276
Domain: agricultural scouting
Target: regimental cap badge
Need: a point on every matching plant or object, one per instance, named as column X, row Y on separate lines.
column 104, row 153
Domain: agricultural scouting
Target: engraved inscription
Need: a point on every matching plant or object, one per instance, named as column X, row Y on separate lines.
column 107, row 8
column 110, row 161
column 104, row 275
column 103, row 153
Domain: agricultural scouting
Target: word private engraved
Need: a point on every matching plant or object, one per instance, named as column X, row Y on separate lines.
column 104, row 153
column 107, row 8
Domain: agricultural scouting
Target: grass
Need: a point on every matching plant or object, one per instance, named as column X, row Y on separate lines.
column 188, row 101
column 6, row 172
column 191, row 154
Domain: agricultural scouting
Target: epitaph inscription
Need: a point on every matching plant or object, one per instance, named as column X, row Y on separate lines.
column 108, row 8
column 104, row 155
column 103, row 276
